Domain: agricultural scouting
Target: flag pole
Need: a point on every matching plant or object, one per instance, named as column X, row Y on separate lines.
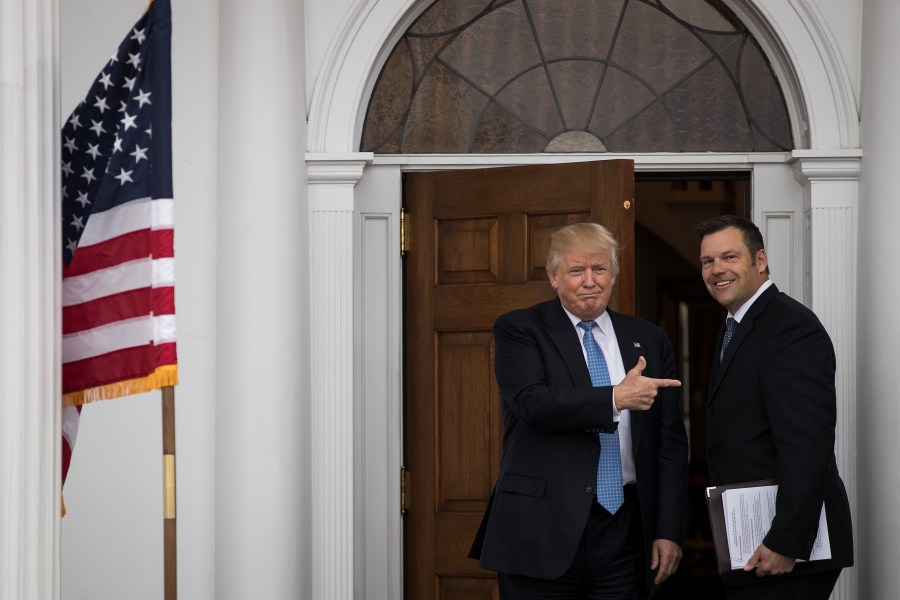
column 169, row 531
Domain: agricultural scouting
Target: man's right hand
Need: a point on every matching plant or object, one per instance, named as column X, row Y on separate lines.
column 637, row 392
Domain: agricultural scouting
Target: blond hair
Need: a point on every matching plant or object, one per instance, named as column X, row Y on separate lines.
column 588, row 237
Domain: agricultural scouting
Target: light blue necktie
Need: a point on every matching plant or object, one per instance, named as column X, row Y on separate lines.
column 730, row 326
column 609, row 471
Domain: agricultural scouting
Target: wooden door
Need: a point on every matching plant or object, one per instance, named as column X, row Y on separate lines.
column 478, row 246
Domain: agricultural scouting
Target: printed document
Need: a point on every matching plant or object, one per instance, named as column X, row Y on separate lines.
column 748, row 515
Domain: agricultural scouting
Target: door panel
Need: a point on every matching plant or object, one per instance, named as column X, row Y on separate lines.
column 478, row 245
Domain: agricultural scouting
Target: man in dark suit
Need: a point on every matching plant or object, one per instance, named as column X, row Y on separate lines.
column 544, row 530
column 771, row 414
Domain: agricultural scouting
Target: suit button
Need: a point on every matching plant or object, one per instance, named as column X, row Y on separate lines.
column 595, row 451
column 589, row 490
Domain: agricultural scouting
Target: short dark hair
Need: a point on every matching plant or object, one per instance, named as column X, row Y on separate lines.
column 753, row 239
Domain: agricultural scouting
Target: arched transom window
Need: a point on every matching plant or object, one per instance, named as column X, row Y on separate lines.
column 625, row 76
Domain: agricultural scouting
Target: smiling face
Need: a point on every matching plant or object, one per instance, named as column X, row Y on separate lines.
column 584, row 281
column 731, row 273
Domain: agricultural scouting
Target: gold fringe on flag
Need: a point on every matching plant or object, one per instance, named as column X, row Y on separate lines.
column 161, row 377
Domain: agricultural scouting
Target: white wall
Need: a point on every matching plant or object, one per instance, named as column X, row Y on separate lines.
column 323, row 22
column 844, row 19
column 878, row 319
column 112, row 537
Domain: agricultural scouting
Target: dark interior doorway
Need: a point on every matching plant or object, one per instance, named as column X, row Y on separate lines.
column 670, row 293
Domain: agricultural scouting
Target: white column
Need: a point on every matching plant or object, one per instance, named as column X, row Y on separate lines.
column 831, row 191
column 262, row 427
column 878, row 526
column 332, row 179
column 30, row 333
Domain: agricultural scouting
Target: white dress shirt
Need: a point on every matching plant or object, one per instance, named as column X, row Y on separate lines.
column 605, row 336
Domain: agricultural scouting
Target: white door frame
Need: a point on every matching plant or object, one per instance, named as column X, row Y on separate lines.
column 804, row 201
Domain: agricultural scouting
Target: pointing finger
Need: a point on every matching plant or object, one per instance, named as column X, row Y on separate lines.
column 668, row 383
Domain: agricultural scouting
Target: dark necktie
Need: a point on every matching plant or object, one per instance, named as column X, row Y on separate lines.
column 730, row 326
column 609, row 472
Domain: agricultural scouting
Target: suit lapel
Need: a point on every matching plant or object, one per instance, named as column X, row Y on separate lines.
column 563, row 335
column 740, row 334
column 630, row 349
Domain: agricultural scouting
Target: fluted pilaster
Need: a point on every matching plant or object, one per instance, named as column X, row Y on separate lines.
column 831, row 194
column 331, row 193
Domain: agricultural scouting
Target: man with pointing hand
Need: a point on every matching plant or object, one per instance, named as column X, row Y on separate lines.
column 591, row 495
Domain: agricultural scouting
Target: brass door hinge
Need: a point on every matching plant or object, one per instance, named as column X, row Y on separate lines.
column 404, row 490
column 404, row 232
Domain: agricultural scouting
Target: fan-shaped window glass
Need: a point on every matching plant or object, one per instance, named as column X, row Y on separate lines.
column 524, row 76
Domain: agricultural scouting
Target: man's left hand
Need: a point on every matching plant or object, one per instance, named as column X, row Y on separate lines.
column 769, row 562
column 664, row 558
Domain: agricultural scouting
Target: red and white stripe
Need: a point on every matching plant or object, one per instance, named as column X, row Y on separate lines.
column 118, row 299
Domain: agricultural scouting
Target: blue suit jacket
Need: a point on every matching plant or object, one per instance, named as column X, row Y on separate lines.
column 552, row 414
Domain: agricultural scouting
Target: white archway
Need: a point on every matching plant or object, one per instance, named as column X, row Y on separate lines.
column 791, row 32
column 354, row 229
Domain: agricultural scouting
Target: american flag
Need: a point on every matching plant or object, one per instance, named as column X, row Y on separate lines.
column 118, row 276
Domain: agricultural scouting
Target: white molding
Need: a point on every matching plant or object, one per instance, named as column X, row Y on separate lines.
column 349, row 69
column 778, row 229
column 333, row 336
column 792, row 33
column 772, row 38
column 833, row 283
column 30, row 329
column 818, row 166
column 336, row 167
column 814, row 78
column 329, row 79
column 845, row 108
column 378, row 399
column 331, row 340
column 694, row 161
column 831, row 193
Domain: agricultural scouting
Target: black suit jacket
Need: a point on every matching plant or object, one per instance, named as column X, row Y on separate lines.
column 771, row 414
column 552, row 415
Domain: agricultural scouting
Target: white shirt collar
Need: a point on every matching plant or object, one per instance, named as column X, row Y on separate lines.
column 746, row 305
column 603, row 321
